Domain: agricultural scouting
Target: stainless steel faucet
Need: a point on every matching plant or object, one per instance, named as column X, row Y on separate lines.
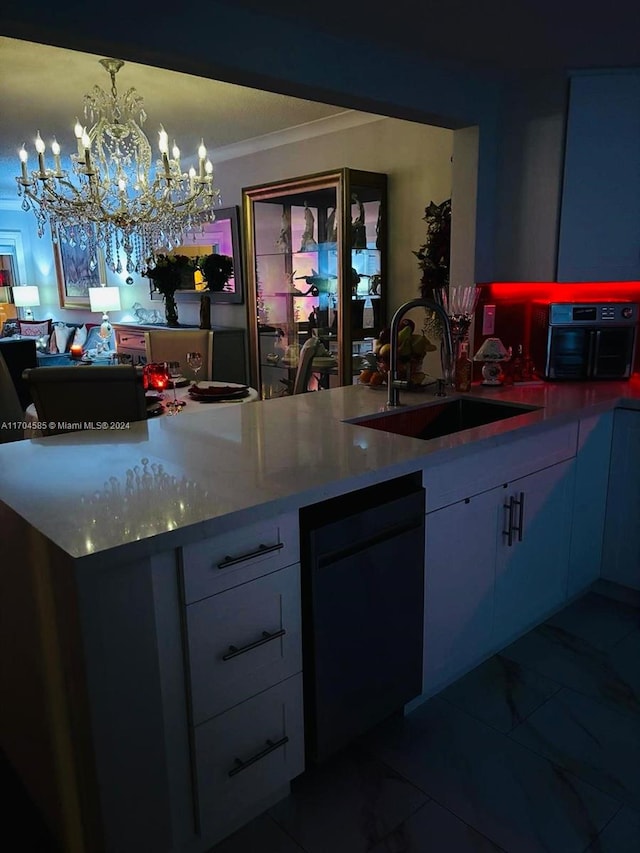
column 446, row 352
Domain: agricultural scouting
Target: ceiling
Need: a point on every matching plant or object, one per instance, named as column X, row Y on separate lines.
column 501, row 35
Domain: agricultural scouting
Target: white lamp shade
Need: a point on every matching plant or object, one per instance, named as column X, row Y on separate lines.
column 26, row 296
column 491, row 350
column 104, row 298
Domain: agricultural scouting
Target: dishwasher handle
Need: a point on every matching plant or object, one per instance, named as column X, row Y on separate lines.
column 335, row 556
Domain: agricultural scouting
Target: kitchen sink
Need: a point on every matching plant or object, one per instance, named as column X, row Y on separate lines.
column 443, row 418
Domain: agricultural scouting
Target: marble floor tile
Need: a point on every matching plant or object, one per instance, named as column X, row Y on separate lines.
column 576, row 663
column 521, row 801
column 601, row 621
column 621, row 835
column 263, row 834
column 433, row 829
column 589, row 738
column 617, row 592
column 346, row 805
column 500, row 692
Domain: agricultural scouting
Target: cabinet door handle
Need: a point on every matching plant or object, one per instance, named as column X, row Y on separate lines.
column 519, row 502
column 262, row 549
column 270, row 747
column 266, row 637
column 509, row 531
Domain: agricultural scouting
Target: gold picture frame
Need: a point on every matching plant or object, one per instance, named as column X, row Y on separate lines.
column 74, row 274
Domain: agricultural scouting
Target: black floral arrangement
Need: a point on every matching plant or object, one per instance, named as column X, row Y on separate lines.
column 435, row 253
column 216, row 270
column 168, row 272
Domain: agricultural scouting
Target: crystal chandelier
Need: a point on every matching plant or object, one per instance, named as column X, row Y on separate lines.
column 112, row 199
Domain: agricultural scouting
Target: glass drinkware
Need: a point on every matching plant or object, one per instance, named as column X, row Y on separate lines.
column 194, row 360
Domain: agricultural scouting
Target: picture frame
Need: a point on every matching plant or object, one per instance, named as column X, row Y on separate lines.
column 222, row 236
column 75, row 275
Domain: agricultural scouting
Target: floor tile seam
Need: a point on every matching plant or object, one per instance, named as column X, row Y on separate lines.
column 573, row 773
column 490, row 725
column 462, row 820
column 431, row 798
column 286, row 832
column 634, row 630
column 603, row 702
column 611, row 819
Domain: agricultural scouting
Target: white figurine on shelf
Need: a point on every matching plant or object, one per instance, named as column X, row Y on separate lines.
column 308, row 242
column 284, row 238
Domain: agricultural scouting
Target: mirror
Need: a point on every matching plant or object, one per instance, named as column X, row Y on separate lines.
column 222, row 236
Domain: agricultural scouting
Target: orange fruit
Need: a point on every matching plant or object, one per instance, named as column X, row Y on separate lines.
column 365, row 376
column 377, row 379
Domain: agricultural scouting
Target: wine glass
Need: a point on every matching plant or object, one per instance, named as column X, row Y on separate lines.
column 194, row 360
column 174, row 372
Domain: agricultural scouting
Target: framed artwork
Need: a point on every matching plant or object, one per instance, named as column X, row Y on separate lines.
column 222, row 237
column 75, row 276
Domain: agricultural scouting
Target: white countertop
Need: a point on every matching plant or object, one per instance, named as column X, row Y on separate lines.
column 251, row 461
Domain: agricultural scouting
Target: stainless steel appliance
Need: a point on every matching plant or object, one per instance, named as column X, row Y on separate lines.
column 583, row 340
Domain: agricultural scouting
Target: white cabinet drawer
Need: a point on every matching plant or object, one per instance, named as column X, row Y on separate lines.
column 483, row 470
column 243, row 640
column 130, row 340
column 247, row 754
column 240, row 555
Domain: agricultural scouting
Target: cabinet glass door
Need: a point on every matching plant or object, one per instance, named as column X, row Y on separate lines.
column 365, row 275
column 315, row 269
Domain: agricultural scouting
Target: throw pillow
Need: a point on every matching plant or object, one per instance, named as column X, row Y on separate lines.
column 34, row 328
column 42, row 343
column 79, row 336
column 10, row 328
column 63, row 335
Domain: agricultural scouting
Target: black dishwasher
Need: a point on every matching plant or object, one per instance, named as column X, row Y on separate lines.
column 362, row 561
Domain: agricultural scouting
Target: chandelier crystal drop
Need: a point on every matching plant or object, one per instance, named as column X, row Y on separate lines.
column 114, row 199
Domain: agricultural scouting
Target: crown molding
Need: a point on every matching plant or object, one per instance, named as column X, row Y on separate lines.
column 319, row 127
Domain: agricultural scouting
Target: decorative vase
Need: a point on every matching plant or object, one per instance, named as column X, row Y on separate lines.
column 171, row 310
column 205, row 311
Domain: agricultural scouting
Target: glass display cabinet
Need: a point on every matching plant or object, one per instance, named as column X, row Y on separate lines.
column 316, row 266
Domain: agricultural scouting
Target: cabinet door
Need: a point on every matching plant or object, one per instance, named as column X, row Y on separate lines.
column 590, row 500
column 459, row 579
column 600, row 216
column 621, row 551
column 531, row 573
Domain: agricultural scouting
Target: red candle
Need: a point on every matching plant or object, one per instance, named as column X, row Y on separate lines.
column 76, row 350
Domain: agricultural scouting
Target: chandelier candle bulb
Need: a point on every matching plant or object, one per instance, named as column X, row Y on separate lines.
column 55, row 147
column 40, row 149
column 22, row 154
column 78, row 132
column 202, row 153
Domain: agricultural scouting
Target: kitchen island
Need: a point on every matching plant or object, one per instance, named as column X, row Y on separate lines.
column 110, row 541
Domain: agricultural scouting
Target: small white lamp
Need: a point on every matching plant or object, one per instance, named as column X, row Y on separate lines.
column 491, row 353
column 25, row 297
column 104, row 299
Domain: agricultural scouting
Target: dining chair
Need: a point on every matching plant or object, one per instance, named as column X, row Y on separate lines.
column 305, row 365
column 86, row 394
column 173, row 345
column 11, row 411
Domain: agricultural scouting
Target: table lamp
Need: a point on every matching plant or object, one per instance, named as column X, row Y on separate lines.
column 491, row 353
column 25, row 297
column 104, row 299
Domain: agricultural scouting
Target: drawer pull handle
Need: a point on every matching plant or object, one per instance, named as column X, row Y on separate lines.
column 234, row 651
column 262, row 549
column 519, row 502
column 270, row 747
column 510, row 528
